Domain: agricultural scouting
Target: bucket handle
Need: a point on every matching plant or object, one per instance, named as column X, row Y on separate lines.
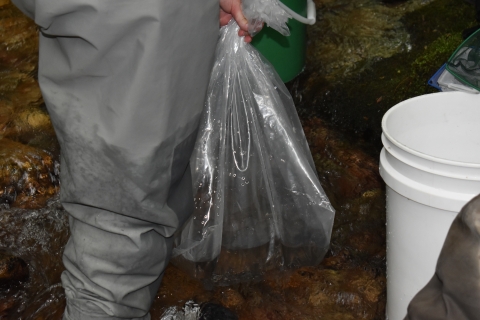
column 311, row 13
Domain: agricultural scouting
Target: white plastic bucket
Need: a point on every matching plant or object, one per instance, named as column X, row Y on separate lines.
column 431, row 165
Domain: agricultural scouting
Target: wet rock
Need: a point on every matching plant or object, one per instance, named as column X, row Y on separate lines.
column 178, row 288
column 31, row 125
column 230, row 298
column 356, row 33
column 48, row 305
column 12, row 269
column 37, row 237
column 28, row 147
column 28, row 176
column 213, row 311
column 345, row 170
column 18, row 40
column 359, row 235
column 6, row 112
column 23, row 116
column 354, row 293
column 6, row 304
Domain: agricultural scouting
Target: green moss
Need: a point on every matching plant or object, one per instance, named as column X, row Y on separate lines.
column 425, row 65
column 358, row 104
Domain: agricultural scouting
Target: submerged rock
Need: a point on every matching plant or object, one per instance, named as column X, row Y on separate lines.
column 12, row 269
column 213, row 311
column 351, row 293
column 345, row 169
column 28, row 176
column 38, row 238
column 18, row 40
column 29, row 149
column 5, row 305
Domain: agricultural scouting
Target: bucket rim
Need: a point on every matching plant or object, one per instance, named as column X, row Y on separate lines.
column 418, row 153
column 311, row 18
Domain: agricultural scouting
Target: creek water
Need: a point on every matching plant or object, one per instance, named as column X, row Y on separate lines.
column 38, row 237
column 349, row 37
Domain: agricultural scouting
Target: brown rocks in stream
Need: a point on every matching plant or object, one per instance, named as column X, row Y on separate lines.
column 37, row 237
column 28, row 176
column 18, row 41
column 29, row 149
column 345, row 169
column 13, row 273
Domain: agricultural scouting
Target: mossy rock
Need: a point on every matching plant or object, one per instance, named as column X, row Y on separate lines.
column 357, row 104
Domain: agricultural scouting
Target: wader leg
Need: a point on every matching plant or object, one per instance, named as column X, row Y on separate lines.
column 115, row 263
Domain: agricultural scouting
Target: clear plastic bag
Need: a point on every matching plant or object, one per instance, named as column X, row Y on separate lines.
column 258, row 201
column 268, row 11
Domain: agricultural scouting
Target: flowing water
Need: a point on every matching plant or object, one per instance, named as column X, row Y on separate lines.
column 38, row 237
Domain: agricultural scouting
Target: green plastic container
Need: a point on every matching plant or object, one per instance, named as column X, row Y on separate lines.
column 286, row 54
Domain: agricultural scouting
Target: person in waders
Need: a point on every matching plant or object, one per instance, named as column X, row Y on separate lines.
column 124, row 82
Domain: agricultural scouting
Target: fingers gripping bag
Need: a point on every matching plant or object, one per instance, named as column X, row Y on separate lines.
column 258, row 202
